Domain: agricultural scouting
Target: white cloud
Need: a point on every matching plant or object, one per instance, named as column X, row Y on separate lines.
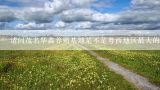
column 82, row 3
column 140, row 17
column 143, row 14
column 60, row 24
column 77, row 15
column 44, row 14
column 103, row 4
column 6, row 14
column 145, row 4
column 37, row 15
column 105, row 17
column 142, row 26
column 81, row 25
column 56, row 6
column 31, row 25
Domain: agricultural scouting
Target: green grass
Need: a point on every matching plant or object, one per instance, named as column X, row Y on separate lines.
column 145, row 63
column 56, row 70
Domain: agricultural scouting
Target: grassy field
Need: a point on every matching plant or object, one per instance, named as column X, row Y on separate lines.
column 56, row 70
column 145, row 63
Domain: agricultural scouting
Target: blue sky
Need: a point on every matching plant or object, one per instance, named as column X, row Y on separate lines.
column 116, row 5
column 80, row 14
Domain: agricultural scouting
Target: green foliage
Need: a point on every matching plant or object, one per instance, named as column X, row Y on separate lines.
column 56, row 70
column 146, row 63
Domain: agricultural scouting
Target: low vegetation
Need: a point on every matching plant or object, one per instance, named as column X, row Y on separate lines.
column 145, row 63
column 56, row 70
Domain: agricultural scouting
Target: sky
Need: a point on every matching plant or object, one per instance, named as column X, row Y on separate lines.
column 80, row 14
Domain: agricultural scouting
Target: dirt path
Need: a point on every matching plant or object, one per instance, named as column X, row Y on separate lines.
column 139, row 81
